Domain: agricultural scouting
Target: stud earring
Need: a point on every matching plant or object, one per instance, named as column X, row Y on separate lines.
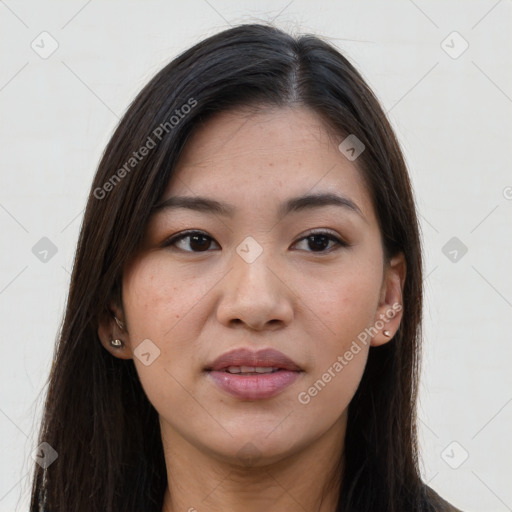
column 387, row 333
column 116, row 343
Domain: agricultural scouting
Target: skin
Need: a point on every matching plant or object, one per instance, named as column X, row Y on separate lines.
column 309, row 303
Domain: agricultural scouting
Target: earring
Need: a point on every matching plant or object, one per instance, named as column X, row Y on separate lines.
column 387, row 333
column 116, row 343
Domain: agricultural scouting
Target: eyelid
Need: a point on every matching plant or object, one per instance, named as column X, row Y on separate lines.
column 183, row 234
column 332, row 235
column 325, row 231
column 322, row 231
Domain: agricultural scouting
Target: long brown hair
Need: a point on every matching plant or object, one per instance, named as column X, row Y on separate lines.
column 96, row 415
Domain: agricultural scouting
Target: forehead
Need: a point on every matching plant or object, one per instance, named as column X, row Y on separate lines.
column 253, row 158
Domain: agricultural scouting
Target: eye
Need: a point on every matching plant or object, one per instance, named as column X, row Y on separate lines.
column 197, row 241
column 319, row 240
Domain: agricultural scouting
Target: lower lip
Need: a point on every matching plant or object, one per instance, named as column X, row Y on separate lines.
column 254, row 387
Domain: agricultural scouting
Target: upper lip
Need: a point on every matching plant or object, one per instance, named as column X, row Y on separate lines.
column 269, row 358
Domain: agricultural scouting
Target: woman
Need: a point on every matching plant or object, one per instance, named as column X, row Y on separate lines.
column 244, row 317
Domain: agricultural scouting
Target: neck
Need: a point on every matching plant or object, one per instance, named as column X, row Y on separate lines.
column 304, row 480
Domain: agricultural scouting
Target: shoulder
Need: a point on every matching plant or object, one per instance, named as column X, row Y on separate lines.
column 437, row 503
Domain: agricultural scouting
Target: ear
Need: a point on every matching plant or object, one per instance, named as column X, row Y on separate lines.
column 390, row 310
column 109, row 329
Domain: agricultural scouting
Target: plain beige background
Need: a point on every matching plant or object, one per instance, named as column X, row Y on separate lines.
column 442, row 72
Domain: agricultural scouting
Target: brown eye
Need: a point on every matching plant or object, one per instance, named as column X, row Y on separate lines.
column 196, row 241
column 319, row 241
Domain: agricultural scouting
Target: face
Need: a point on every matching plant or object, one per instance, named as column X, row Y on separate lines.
column 306, row 281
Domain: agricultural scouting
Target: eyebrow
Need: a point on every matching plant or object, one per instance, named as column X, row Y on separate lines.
column 294, row 204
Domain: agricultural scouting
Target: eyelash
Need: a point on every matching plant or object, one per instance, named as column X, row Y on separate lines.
column 185, row 234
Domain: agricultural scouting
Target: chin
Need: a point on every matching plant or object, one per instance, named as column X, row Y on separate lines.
column 253, row 449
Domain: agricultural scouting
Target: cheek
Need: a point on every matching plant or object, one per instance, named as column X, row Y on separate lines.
column 339, row 357
column 345, row 300
column 157, row 296
column 344, row 305
column 158, row 300
column 330, row 390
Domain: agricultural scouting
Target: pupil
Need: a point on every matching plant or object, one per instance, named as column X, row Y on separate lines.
column 194, row 240
column 322, row 245
column 316, row 242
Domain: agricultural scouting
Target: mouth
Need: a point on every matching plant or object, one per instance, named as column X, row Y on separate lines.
column 244, row 360
column 250, row 375
column 250, row 370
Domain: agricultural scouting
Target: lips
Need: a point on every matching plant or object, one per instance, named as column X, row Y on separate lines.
column 249, row 361
column 249, row 375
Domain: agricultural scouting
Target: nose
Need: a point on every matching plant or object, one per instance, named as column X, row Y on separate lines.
column 255, row 295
